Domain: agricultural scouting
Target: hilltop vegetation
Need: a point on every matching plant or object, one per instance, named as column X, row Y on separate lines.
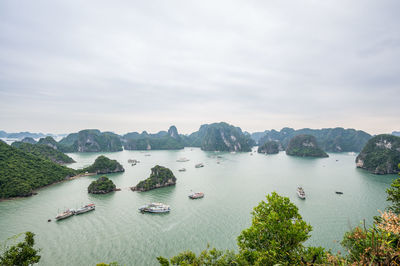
column 160, row 177
column 102, row 185
column 304, row 146
column 381, row 155
column 21, row 172
column 104, row 165
column 329, row 139
column 269, row 147
column 43, row 151
column 163, row 140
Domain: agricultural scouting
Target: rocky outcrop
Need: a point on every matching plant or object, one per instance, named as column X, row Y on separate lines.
column 162, row 140
column 269, row 147
column 160, row 177
column 49, row 141
column 304, row 146
column 29, row 140
column 103, row 185
column 381, row 155
column 103, row 165
column 91, row 140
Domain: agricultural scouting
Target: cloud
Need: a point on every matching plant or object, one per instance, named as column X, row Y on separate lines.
column 133, row 65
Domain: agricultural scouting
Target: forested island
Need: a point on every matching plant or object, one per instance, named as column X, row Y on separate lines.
column 22, row 172
column 304, row 146
column 381, row 155
column 269, row 147
column 160, row 177
column 103, row 165
column 103, row 185
column 163, row 140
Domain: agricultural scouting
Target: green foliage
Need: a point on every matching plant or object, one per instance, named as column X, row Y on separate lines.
column 163, row 140
column 105, row 264
column 101, row 186
column 91, row 140
column 269, row 147
column 44, row 151
column 381, row 154
column 394, row 195
column 160, row 176
column 21, row 172
column 104, row 165
column 329, row 139
column 304, row 146
column 21, row 254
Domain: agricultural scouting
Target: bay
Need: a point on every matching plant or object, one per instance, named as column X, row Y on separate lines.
column 116, row 231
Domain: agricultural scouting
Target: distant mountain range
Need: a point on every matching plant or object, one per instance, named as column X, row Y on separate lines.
column 21, row 135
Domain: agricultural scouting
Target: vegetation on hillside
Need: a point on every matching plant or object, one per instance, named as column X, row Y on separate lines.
column 269, row 147
column 381, row 155
column 102, row 185
column 162, row 140
column 160, row 177
column 43, row 151
column 304, row 146
column 104, row 165
column 21, row 172
column 22, row 253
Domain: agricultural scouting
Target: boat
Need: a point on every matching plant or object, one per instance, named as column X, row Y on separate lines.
column 182, row 160
column 133, row 161
column 199, row 165
column 86, row 208
column 182, row 170
column 301, row 193
column 196, row 195
column 156, row 207
column 339, row 192
column 67, row 213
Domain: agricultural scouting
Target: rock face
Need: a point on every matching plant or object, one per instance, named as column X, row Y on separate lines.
column 162, row 140
column 103, row 165
column 49, row 141
column 330, row 139
column 381, row 155
column 220, row 137
column 44, row 151
column 160, row 177
column 91, row 140
column 103, row 185
column 304, row 146
column 269, row 147
column 29, row 140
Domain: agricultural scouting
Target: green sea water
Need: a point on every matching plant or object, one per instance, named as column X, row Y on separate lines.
column 117, row 231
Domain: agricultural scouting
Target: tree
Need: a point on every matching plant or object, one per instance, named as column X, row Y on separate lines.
column 21, row 254
column 394, row 195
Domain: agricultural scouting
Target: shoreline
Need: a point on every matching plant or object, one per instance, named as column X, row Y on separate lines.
column 35, row 191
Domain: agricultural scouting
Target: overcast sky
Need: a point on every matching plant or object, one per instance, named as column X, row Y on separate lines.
column 127, row 66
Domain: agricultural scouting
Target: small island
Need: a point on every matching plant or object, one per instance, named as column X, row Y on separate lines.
column 305, row 146
column 104, row 165
column 269, row 147
column 160, row 177
column 103, row 185
column 381, row 155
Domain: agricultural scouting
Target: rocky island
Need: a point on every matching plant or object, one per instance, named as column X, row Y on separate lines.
column 305, row 146
column 163, row 140
column 103, row 185
column 269, row 147
column 104, row 165
column 381, row 155
column 160, row 177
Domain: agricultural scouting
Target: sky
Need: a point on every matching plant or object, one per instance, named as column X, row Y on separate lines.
column 126, row 66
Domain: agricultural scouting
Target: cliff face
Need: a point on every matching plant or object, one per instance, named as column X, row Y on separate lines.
column 330, row 139
column 269, row 147
column 91, row 140
column 162, row 140
column 160, row 177
column 49, row 141
column 381, row 155
column 220, row 137
column 304, row 146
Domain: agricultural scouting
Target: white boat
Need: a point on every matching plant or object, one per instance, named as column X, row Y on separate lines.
column 301, row 193
column 86, row 208
column 199, row 165
column 156, row 207
column 182, row 160
column 133, row 161
column 182, row 170
column 65, row 214
column 196, row 195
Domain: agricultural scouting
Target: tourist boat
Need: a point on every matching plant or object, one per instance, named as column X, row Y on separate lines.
column 86, row 208
column 199, row 165
column 182, row 170
column 301, row 193
column 196, row 195
column 65, row 214
column 182, row 160
column 339, row 192
column 133, row 161
column 155, row 208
